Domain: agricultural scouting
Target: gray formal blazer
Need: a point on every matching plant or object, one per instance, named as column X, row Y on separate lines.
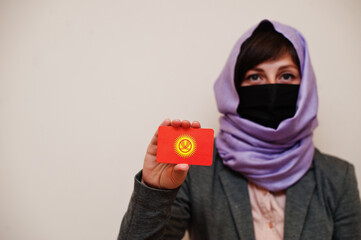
column 213, row 203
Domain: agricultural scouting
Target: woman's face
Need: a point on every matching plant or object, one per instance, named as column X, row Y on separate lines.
column 282, row 70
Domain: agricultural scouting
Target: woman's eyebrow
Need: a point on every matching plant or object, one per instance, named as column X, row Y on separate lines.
column 256, row 69
column 288, row 66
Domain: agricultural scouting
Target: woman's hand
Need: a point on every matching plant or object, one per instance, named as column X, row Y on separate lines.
column 164, row 175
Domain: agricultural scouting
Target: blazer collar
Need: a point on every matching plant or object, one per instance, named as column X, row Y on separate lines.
column 298, row 199
column 236, row 191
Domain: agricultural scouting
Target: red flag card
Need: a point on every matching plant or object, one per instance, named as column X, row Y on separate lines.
column 192, row 145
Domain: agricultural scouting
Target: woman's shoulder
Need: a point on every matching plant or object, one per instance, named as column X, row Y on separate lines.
column 330, row 165
column 333, row 173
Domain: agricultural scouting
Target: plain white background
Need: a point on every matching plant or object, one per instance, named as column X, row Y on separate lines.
column 84, row 85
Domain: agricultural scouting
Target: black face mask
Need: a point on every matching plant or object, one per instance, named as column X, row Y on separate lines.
column 268, row 104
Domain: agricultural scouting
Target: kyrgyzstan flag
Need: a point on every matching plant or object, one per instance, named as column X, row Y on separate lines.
column 193, row 146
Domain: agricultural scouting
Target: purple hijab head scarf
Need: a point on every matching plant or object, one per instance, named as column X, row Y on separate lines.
column 272, row 158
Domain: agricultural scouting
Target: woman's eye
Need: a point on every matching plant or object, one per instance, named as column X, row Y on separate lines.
column 253, row 77
column 287, row 76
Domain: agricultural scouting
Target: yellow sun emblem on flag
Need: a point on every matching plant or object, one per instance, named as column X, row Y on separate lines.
column 185, row 146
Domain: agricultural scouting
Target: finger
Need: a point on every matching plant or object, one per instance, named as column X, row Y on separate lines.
column 166, row 122
column 196, row 124
column 181, row 167
column 186, row 124
column 176, row 123
column 180, row 173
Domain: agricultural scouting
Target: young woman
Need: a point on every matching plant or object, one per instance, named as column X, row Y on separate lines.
column 267, row 180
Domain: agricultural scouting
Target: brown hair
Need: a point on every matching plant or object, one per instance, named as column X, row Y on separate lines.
column 264, row 44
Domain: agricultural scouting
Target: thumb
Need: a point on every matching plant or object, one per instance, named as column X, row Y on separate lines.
column 180, row 173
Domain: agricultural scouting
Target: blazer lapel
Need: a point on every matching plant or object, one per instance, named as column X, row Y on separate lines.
column 298, row 198
column 236, row 190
